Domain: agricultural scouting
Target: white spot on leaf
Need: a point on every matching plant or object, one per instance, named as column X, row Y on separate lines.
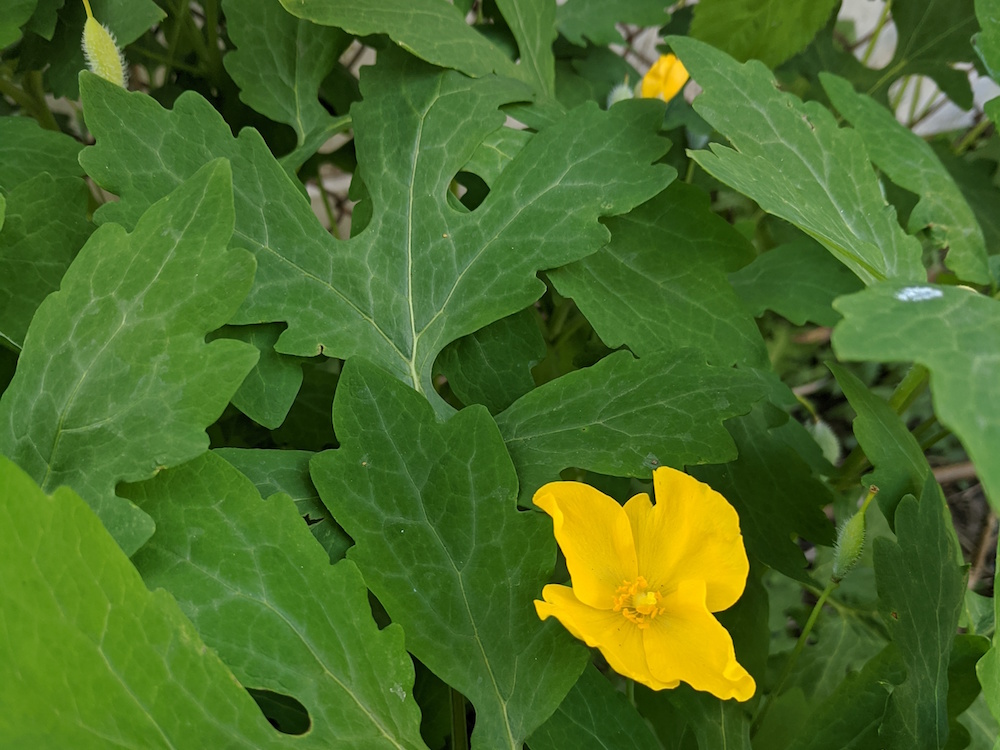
column 918, row 294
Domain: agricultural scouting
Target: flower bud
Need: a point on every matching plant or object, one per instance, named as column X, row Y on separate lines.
column 665, row 79
column 102, row 53
column 850, row 542
column 618, row 93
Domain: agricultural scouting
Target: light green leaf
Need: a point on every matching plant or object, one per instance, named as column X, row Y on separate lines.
column 421, row 274
column 92, row 658
column 493, row 365
column 900, row 466
column 44, row 227
column 625, row 417
column 981, row 726
column 660, row 285
column 910, row 162
column 920, row 588
column 798, row 280
column 796, row 163
column 440, row 542
column 115, row 381
column 263, row 594
column 270, row 388
column 26, row 150
column 594, row 716
column 773, row 489
column 434, row 30
column 287, row 472
column 533, row 24
column 596, row 19
column 279, row 63
column 987, row 44
column 43, row 20
column 769, row 30
column 953, row 332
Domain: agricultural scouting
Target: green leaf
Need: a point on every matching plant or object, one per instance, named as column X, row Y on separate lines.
column 922, row 626
column 270, row 388
column 900, row 466
column 440, row 542
column 684, row 711
column 987, row 44
column 533, row 25
column 625, row 416
column 279, row 63
column 43, row 20
column 768, row 30
column 16, row 13
column 850, row 718
column 26, row 150
column 44, row 226
column 421, row 274
column 433, row 30
column 773, row 490
column 597, row 19
column 953, row 332
column 798, row 280
column 263, row 594
column 115, row 381
column 660, row 285
column 933, row 35
column 911, row 163
column 796, row 163
column 493, row 365
column 287, row 472
column 594, row 716
column 92, row 658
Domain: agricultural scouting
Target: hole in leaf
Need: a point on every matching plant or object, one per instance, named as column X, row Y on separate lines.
column 285, row 713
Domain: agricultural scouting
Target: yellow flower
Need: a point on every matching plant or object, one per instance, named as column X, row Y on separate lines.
column 665, row 79
column 646, row 579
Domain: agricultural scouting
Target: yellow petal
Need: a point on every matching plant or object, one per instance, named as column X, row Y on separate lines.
column 687, row 643
column 618, row 639
column 594, row 534
column 691, row 534
column 665, row 79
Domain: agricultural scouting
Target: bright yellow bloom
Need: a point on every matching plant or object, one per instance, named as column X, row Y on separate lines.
column 646, row 579
column 665, row 79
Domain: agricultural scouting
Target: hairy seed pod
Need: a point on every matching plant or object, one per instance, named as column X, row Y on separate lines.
column 102, row 53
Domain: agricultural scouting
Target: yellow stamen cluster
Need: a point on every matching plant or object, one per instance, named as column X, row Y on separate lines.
column 636, row 603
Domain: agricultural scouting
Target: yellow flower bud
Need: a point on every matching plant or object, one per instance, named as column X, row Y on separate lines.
column 102, row 53
column 665, row 79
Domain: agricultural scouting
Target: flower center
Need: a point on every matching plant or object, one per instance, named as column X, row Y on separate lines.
column 636, row 603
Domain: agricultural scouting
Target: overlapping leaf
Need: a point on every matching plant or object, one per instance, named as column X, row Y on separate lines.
column 265, row 597
column 594, row 716
column 421, row 274
column 625, row 416
column 93, row 659
column 953, row 332
column 660, row 285
column 27, row 151
column 440, row 542
column 115, row 381
column 280, row 62
column 796, row 163
column 922, row 626
column 596, row 19
column 798, row 280
column 766, row 30
column 987, row 44
column 911, row 163
column 16, row 14
column 44, row 226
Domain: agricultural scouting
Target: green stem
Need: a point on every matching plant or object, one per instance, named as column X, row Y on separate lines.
column 34, row 88
column 13, row 92
column 918, row 89
column 909, row 388
column 325, row 197
column 630, row 691
column 166, row 60
column 689, row 173
column 873, row 42
column 800, row 644
column 459, row 728
column 972, row 136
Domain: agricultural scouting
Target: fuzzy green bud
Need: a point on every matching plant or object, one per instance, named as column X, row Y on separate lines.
column 850, row 542
column 102, row 53
column 620, row 92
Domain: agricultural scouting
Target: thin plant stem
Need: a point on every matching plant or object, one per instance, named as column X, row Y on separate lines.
column 459, row 728
column 34, row 88
column 800, row 644
column 918, row 89
column 873, row 42
column 969, row 139
column 909, row 388
column 630, row 691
